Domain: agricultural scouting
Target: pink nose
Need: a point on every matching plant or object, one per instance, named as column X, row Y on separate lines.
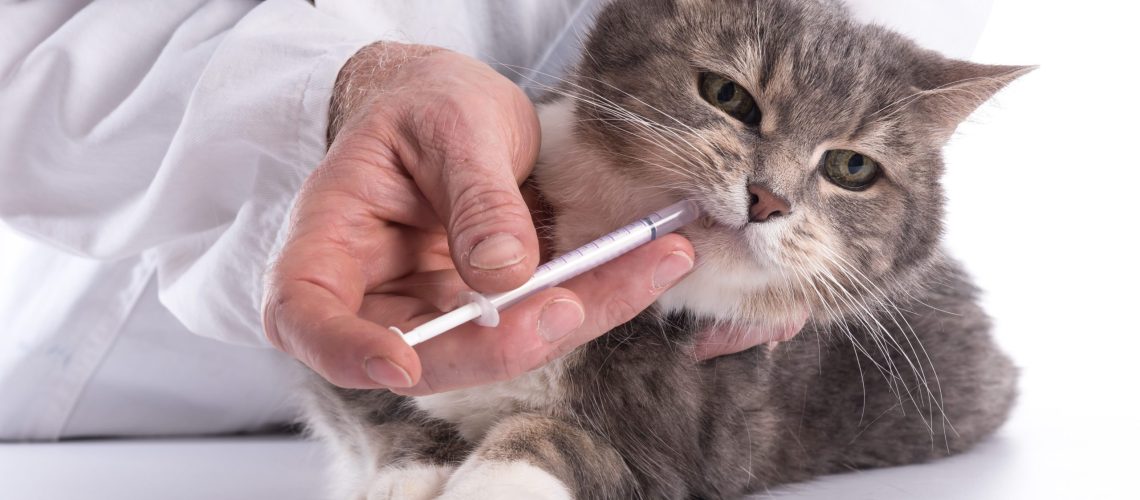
column 765, row 205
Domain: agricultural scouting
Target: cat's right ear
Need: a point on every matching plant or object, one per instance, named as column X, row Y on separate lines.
column 950, row 90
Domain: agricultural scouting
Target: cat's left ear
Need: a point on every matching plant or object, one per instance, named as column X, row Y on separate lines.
column 951, row 90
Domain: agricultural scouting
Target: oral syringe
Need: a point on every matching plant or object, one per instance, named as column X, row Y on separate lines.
column 484, row 309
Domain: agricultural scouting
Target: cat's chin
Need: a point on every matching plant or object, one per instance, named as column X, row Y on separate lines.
column 732, row 287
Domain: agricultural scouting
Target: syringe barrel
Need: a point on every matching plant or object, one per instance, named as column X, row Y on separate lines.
column 601, row 250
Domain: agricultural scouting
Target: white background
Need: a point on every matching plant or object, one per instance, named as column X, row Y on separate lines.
column 1043, row 210
column 1043, row 186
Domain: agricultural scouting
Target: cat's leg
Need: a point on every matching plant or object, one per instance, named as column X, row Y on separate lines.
column 416, row 460
column 541, row 458
column 382, row 447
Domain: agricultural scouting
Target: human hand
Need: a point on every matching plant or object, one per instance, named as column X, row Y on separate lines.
column 724, row 339
column 417, row 200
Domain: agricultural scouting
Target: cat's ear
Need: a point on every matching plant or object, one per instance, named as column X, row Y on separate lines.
column 950, row 90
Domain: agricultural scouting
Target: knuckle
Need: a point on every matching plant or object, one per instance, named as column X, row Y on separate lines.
column 427, row 386
column 333, row 376
column 477, row 204
column 275, row 305
column 269, row 325
column 323, row 361
column 509, row 365
column 443, row 119
column 619, row 309
column 559, row 350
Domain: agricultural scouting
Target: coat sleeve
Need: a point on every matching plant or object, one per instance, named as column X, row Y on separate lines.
column 177, row 130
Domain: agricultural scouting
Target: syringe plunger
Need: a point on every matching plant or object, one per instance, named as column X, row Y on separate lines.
column 485, row 309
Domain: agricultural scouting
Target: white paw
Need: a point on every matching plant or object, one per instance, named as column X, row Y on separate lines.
column 409, row 482
column 503, row 480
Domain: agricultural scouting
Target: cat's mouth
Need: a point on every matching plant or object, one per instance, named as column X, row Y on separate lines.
column 755, row 237
column 718, row 221
column 709, row 222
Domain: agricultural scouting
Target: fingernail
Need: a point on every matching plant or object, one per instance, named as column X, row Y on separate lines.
column 386, row 373
column 671, row 269
column 559, row 318
column 496, row 252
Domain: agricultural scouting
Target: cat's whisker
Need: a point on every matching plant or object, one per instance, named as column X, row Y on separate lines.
column 860, row 303
column 891, row 374
column 679, row 169
column 689, row 129
column 612, row 106
column 819, row 348
column 672, row 167
column 601, row 102
column 881, row 295
column 683, row 154
column 905, row 328
column 661, row 142
column 894, row 376
column 879, row 331
column 837, row 320
column 860, row 352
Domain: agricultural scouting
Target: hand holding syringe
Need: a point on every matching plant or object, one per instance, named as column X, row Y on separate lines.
column 485, row 309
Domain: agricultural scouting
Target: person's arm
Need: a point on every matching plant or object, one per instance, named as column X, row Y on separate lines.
column 180, row 130
column 187, row 132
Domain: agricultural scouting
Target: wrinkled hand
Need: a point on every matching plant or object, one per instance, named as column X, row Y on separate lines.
column 417, row 200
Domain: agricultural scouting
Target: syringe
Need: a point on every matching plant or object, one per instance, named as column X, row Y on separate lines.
column 485, row 309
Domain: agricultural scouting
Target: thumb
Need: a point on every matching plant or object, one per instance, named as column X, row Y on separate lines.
column 490, row 230
column 475, row 145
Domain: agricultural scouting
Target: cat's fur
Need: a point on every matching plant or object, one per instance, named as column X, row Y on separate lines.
column 896, row 364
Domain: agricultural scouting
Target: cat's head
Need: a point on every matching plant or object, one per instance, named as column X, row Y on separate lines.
column 811, row 142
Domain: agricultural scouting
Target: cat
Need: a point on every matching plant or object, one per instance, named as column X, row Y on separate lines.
column 812, row 144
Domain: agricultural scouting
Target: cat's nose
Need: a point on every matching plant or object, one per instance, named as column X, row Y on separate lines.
column 765, row 205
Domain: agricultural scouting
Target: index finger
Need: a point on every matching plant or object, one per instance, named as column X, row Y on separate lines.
column 308, row 319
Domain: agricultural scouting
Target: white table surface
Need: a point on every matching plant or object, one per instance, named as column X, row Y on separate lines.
column 1037, row 456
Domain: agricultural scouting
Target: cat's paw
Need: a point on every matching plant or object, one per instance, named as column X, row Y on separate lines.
column 409, row 482
column 515, row 480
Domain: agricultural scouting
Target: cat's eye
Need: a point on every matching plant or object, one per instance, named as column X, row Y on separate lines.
column 728, row 96
column 850, row 170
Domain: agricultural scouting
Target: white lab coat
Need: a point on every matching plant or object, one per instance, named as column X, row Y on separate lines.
column 149, row 154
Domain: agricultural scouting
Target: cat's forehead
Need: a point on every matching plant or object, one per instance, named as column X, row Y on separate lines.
column 773, row 45
column 771, row 41
column 807, row 61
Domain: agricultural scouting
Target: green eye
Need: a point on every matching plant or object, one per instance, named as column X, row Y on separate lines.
column 850, row 170
column 728, row 96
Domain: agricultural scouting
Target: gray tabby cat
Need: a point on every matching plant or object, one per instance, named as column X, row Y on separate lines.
column 813, row 145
